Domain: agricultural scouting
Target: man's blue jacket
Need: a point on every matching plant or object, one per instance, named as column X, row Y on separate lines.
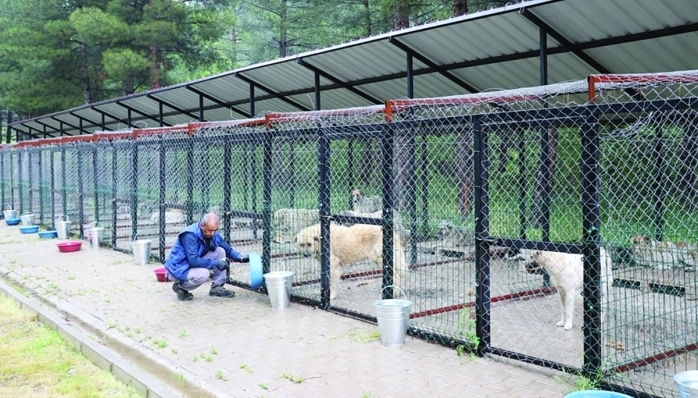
column 189, row 248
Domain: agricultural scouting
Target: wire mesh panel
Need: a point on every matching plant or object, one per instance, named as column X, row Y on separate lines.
column 123, row 148
column 236, row 191
column 5, row 173
column 44, row 184
column 648, row 166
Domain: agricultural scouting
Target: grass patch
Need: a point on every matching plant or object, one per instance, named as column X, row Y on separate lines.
column 369, row 336
column 37, row 362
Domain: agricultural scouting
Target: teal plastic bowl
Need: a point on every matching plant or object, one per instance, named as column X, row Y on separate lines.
column 48, row 234
column 13, row 221
column 29, row 229
column 256, row 278
column 596, row 394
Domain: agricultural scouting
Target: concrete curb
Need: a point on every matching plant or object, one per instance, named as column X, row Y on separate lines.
column 99, row 354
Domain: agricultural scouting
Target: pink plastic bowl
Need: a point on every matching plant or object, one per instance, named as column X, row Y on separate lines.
column 67, row 247
column 161, row 274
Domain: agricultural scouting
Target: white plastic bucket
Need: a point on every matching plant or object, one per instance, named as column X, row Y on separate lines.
column 63, row 229
column 141, row 251
column 27, row 219
column 96, row 235
column 9, row 213
column 687, row 383
column 279, row 285
column 393, row 317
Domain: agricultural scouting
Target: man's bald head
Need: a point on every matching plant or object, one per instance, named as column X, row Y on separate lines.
column 209, row 224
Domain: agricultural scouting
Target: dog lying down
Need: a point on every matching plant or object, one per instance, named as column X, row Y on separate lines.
column 567, row 273
column 349, row 245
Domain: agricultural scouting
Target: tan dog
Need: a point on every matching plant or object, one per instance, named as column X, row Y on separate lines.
column 349, row 245
column 365, row 204
column 661, row 254
column 567, row 273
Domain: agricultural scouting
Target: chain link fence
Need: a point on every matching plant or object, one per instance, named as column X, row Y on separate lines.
column 552, row 225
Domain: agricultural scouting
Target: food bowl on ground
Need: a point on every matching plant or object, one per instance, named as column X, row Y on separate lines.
column 68, row 247
column 48, row 234
column 13, row 220
column 29, row 229
column 256, row 273
column 161, row 274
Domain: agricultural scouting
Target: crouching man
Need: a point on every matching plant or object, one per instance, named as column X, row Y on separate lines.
column 198, row 251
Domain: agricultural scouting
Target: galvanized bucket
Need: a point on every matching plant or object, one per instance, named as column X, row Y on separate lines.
column 27, row 219
column 393, row 317
column 141, row 250
column 63, row 229
column 9, row 213
column 279, row 285
column 687, row 383
column 96, row 236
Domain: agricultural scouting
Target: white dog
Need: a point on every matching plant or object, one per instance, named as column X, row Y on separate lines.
column 365, row 204
column 349, row 245
column 567, row 273
column 661, row 254
column 172, row 216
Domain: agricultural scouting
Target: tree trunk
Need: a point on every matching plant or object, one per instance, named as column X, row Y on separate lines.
column 85, row 72
column 283, row 34
column 234, row 41
column 154, row 68
column 127, row 85
column 544, row 169
column 367, row 18
column 460, row 7
column 689, row 160
column 464, row 170
column 402, row 15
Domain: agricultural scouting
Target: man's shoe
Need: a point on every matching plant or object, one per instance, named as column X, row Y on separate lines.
column 220, row 291
column 181, row 293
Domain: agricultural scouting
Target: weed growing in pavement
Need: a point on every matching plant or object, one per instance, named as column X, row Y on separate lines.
column 246, row 368
column 359, row 336
column 207, row 358
column 195, row 359
column 295, row 379
column 160, row 343
column 180, row 377
column 183, row 333
column 175, row 351
column 214, row 351
column 220, row 375
column 263, row 386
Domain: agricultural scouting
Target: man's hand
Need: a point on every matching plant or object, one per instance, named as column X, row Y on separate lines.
column 245, row 259
column 222, row 265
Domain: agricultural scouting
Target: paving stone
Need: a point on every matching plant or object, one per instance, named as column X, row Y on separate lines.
column 257, row 349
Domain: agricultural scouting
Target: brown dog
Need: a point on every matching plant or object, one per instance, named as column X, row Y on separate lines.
column 349, row 245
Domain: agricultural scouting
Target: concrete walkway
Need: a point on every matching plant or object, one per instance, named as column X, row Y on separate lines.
column 236, row 347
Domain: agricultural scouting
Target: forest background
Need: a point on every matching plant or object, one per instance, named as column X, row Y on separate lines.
column 59, row 54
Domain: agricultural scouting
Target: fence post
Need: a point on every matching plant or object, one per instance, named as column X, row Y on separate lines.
column 30, row 181
column 523, row 177
column 52, row 195
column 113, row 194
column 20, row 182
column 266, row 202
column 190, row 180
column 40, row 165
column 95, row 180
column 64, row 188
column 162, row 164
column 12, row 182
column 227, row 166
column 323, row 162
column 425, row 187
column 388, row 176
column 81, row 197
column 2, row 179
column 482, row 244
column 411, row 188
column 591, row 223
column 134, row 187
column 253, row 177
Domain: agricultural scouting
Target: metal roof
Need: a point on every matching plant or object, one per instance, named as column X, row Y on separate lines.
column 497, row 48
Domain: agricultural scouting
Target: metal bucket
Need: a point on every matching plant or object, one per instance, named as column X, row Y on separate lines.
column 27, row 219
column 9, row 213
column 95, row 235
column 141, row 251
column 279, row 288
column 393, row 317
column 687, row 383
column 63, row 229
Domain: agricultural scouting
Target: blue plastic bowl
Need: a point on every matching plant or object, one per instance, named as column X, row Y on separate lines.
column 13, row 221
column 48, row 234
column 256, row 278
column 29, row 229
column 596, row 394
